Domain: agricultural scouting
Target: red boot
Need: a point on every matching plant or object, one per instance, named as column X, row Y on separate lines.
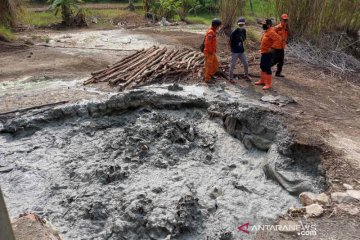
column 262, row 79
column 268, row 82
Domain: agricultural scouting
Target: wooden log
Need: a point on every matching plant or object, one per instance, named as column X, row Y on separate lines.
column 141, row 61
column 137, row 57
column 120, row 67
column 157, row 58
column 119, row 63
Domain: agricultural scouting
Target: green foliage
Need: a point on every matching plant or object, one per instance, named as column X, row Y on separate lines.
column 182, row 8
column 66, row 7
column 164, row 8
column 41, row 19
column 201, row 18
column 316, row 16
column 261, row 8
column 5, row 34
column 185, row 7
column 210, row 6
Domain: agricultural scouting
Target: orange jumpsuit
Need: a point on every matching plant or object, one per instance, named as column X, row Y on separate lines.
column 270, row 39
column 281, row 29
column 279, row 52
column 211, row 61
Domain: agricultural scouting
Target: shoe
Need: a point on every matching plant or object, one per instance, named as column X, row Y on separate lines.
column 232, row 81
column 268, row 82
column 279, row 75
column 262, row 79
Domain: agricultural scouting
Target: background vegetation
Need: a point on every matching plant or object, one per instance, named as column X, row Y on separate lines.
column 311, row 17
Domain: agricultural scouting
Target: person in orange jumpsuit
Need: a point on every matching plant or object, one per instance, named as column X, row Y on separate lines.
column 268, row 40
column 279, row 51
column 211, row 61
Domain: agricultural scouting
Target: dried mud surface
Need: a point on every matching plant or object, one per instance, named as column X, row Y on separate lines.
column 147, row 165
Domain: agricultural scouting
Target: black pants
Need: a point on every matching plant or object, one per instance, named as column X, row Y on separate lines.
column 278, row 58
column 265, row 62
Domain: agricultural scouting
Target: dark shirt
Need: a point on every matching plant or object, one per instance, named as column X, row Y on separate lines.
column 237, row 38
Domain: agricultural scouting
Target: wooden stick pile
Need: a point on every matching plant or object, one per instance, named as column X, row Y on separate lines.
column 149, row 65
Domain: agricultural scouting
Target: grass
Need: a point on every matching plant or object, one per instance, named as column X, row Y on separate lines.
column 6, row 33
column 47, row 18
column 201, row 18
column 41, row 19
column 262, row 8
column 320, row 16
column 105, row 13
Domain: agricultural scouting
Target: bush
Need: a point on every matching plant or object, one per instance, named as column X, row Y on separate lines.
column 186, row 6
column 5, row 34
column 229, row 10
column 311, row 17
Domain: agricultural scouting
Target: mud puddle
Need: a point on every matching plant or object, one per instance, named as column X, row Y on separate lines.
column 156, row 164
column 89, row 43
column 190, row 28
column 37, row 90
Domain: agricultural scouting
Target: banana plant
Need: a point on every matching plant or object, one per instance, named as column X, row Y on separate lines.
column 187, row 6
column 66, row 7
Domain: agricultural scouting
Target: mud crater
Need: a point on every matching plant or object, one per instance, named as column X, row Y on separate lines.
column 145, row 165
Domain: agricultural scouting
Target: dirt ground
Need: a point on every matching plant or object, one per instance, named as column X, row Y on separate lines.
column 326, row 112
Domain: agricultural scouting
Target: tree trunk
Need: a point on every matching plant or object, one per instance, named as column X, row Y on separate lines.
column 146, row 7
column 252, row 8
column 8, row 12
column 66, row 15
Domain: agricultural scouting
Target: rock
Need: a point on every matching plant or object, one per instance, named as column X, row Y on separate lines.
column 32, row 227
column 288, row 226
column 354, row 194
column 175, row 87
column 350, row 209
column 314, row 210
column 215, row 192
column 164, row 22
column 278, row 100
column 348, row 187
column 323, row 199
column 341, row 197
column 94, row 20
column 307, row 198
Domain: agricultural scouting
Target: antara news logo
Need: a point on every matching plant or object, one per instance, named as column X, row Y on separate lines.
column 300, row 228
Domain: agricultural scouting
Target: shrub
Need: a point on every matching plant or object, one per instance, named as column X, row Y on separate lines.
column 229, row 10
column 311, row 17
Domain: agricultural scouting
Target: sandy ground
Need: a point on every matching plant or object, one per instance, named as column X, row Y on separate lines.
column 326, row 113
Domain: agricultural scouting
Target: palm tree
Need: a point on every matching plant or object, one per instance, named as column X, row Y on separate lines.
column 146, row 7
column 66, row 7
column 8, row 12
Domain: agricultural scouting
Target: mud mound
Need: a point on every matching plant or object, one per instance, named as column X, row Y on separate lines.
column 145, row 165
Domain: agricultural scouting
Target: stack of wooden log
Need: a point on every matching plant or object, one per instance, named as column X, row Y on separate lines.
column 149, row 65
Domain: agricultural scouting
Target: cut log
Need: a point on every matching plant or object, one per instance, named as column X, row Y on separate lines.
column 150, row 65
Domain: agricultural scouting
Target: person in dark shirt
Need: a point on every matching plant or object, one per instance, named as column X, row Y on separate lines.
column 237, row 39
